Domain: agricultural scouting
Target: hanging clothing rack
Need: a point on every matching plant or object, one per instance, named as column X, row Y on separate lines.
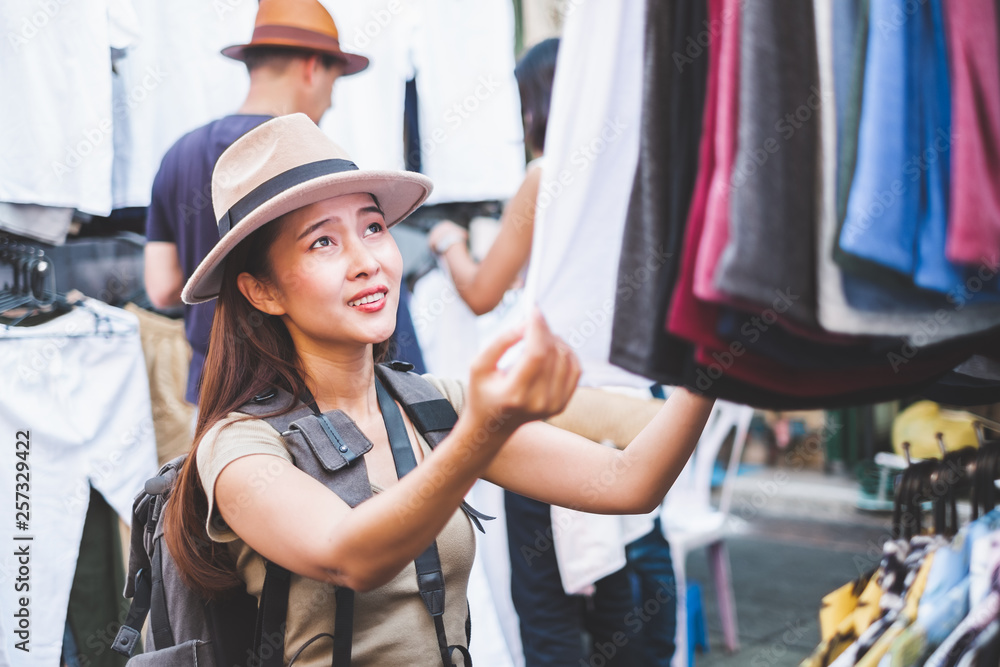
column 934, row 599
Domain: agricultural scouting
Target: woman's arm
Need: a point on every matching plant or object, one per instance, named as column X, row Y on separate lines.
column 561, row 468
column 482, row 285
column 292, row 519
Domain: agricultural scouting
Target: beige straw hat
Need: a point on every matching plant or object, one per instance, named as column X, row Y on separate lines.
column 281, row 165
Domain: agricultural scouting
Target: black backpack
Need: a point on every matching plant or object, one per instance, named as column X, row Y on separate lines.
column 186, row 629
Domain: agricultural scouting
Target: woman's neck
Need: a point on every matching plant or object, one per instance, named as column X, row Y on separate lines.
column 342, row 380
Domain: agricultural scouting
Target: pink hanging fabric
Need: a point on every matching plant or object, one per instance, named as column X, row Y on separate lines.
column 686, row 312
column 715, row 234
column 974, row 218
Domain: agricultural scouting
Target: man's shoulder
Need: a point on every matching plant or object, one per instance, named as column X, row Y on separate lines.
column 192, row 142
column 213, row 137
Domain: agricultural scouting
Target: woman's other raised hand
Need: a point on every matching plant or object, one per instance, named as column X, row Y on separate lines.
column 536, row 386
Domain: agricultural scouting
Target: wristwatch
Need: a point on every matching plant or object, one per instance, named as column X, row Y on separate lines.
column 441, row 247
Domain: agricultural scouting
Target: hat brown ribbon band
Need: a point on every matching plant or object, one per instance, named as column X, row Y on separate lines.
column 299, row 37
column 275, row 186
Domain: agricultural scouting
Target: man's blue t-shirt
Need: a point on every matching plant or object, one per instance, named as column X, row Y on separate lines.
column 181, row 213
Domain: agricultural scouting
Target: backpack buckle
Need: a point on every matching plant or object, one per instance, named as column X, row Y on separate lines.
column 156, row 486
column 400, row 366
column 264, row 396
column 125, row 641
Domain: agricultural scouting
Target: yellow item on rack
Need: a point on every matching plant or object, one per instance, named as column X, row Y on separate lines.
column 840, row 604
column 906, row 617
column 920, row 423
column 845, row 614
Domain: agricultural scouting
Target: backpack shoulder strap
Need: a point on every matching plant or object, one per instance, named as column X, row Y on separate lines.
column 431, row 413
column 327, row 446
column 308, row 436
column 272, row 610
column 275, row 400
column 144, row 521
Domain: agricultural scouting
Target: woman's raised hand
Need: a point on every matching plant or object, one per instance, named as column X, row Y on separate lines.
column 538, row 385
column 444, row 235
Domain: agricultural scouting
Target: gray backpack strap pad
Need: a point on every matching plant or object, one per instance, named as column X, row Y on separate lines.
column 148, row 553
column 431, row 413
column 145, row 516
column 328, row 447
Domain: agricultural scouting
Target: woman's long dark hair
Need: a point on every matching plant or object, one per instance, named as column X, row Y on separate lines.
column 535, row 72
column 249, row 352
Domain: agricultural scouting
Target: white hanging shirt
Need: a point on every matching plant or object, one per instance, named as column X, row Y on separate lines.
column 471, row 140
column 172, row 80
column 77, row 385
column 366, row 118
column 56, row 123
column 591, row 152
column 468, row 106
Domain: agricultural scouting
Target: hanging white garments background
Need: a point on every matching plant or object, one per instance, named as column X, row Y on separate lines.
column 367, row 113
column 172, row 81
column 56, row 124
column 76, row 392
column 88, row 134
column 471, row 141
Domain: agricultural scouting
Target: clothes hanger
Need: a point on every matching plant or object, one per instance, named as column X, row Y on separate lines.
column 16, row 296
column 953, row 479
column 913, row 489
column 984, row 490
column 31, row 294
column 966, row 473
column 985, row 494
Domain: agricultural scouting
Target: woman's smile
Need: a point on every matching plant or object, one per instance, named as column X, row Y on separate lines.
column 370, row 300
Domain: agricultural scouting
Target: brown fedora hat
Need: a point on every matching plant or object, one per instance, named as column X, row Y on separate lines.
column 297, row 24
column 283, row 164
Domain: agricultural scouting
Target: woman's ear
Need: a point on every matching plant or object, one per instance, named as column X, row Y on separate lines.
column 260, row 294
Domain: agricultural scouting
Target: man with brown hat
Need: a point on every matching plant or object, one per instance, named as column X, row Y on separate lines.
column 293, row 58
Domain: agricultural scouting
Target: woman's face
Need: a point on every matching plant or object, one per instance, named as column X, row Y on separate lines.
column 336, row 273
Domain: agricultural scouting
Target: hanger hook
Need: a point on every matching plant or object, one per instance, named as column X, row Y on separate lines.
column 906, row 453
column 940, row 441
column 977, row 426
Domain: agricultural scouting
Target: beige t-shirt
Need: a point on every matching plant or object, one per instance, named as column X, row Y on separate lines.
column 391, row 623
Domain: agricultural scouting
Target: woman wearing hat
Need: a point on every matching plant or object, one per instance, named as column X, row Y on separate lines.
column 307, row 279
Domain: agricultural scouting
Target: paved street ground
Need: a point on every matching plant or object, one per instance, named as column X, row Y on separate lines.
column 781, row 568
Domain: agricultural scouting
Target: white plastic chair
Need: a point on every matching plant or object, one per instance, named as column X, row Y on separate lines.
column 691, row 522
